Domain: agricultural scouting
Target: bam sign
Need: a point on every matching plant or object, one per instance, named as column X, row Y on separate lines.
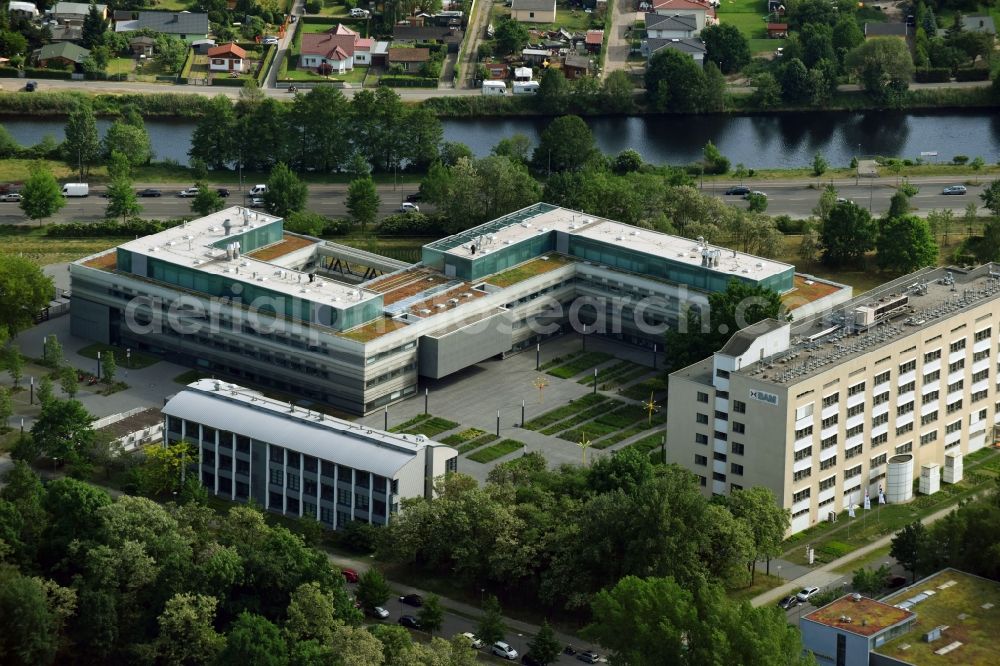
column 764, row 396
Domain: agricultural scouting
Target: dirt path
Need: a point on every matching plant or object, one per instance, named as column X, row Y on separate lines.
column 481, row 10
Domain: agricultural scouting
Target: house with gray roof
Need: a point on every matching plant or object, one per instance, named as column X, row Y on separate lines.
column 186, row 25
column 675, row 26
column 76, row 11
column 694, row 47
column 533, row 11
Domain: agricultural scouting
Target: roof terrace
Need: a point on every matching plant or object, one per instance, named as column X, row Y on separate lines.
column 859, row 615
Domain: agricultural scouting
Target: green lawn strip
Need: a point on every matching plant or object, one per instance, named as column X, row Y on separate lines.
column 624, row 379
column 873, row 559
column 737, row 588
column 647, row 443
column 406, row 425
column 559, row 360
column 580, row 418
column 463, row 437
column 476, row 443
column 560, row 413
column 592, row 431
column 642, row 390
column 624, row 416
column 608, row 373
column 619, row 436
column 578, row 365
column 433, row 427
column 497, row 450
column 136, row 360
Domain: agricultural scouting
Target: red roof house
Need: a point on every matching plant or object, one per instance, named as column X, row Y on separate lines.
column 226, row 58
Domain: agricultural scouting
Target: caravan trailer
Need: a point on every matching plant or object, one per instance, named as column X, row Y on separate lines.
column 494, row 88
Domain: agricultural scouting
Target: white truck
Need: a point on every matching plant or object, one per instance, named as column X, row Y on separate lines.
column 525, row 87
column 75, row 190
column 494, row 88
column 258, row 190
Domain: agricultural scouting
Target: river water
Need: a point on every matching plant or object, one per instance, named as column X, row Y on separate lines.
column 758, row 141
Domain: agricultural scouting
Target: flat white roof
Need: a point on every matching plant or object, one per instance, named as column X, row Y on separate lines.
column 190, row 245
column 675, row 248
column 238, row 409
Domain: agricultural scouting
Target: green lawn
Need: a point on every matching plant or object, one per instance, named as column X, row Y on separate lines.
column 174, row 5
column 579, row 364
column 333, row 8
column 432, row 426
column 497, row 450
column 354, row 76
column 120, row 66
column 750, row 17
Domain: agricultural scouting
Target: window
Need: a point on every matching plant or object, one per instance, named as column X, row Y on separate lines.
column 801, row 512
column 828, row 482
column 831, row 400
column 878, row 440
column 721, row 415
column 856, row 430
column 930, row 397
column 855, row 410
column 957, row 386
column 804, row 453
column 242, row 444
column 804, row 432
column 702, row 397
column 982, row 335
column 906, row 388
column 853, row 472
column 277, row 454
column 309, row 487
column 828, row 463
column 326, row 492
column 276, row 477
column 904, row 448
column 929, row 417
column 856, row 389
column 954, row 426
column 908, row 366
column 700, row 460
column 802, row 474
column 739, row 407
column 932, row 356
column 980, row 356
column 721, row 435
column 927, row 438
column 979, row 395
column 954, row 407
column 882, row 377
column 702, row 418
column 361, row 501
column 932, row 376
column 881, row 398
column 957, row 345
column 718, row 476
column 702, row 481
column 719, row 456
column 878, row 460
column 832, row 420
column 326, row 515
column 739, row 428
column 700, row 438
column 981, row 375
column 722, row 374
column 733, row 487
column 903, row 429
column 736, row 468
column 343, row 497
column 802, row 494
column 957, row 365
column 880, row 419
column 722, row 394
column 738, row 448
column 904, row 409
column 293, row 459
column 293, row 481
column 853, row 451
column 828, row 442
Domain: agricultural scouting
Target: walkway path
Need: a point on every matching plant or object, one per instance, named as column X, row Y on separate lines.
column 623, row 16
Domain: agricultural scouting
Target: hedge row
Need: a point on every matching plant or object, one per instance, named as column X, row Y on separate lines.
column 409, row 82
column 147, row 104
column 933, row 75
column 110, row 228
column 266, row 64
column 972, row 74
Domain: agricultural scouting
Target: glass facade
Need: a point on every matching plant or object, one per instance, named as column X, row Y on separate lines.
column 252, row 239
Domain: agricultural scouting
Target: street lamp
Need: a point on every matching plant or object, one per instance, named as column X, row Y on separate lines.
column 98, row 365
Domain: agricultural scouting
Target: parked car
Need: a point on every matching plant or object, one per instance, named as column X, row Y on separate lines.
column 409, row 622
column 589, row 657
column 780, row 52
column 806, row 594
column 529, row 660
column 893, row 582
column 788, row 602
column 11, row 196
column 256, row 202
column 149, row 192
column 31, row 86
column 415, row 197
column 473, row 641
column 270, row 41
column 350, row 575
column 750, row 194
column 738, row 189
column 407, row 207
column 258, row 190
column 189, row 192
column 504, row 650
column 380, row 612
column 357, row 12
column 954, row 189
column 412, row 600
column 222, row 192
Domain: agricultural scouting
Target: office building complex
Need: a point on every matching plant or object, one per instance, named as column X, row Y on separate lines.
column 298, row 462
column 236, row 295
column 893, row 386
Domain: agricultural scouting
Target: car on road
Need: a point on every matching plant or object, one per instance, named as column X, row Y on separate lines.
column 954, row 189
column 380, row 612
column 223, row 192
column 504, row 650
column 788, row 602
column 412, row 600
column 189, row 192
column 357, row 12
column 350, row 575
column 258, row 190
column 738, row 189
column 415, row 197
column 589, row 657
column 844, row 200
column 409, row 622
column 11, row 196
column 757, row 192
column 270, row 41
column 530, row 660
column 473, row 641
column 407, row 207
column 893, row 582
column 31, row 86
column 257, row 202
column 806, row 593
column 149, row 192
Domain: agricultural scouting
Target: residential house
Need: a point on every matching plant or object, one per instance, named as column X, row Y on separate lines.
column 444, row 34
column 576, row 67
column 703, row 12
column 777, row 30
column 671, row 26
column 411, row 60
column 497, row 71
column 188, row 26
column 900, row 30
column 535, row 56
column 124, row 15
column 60, row 55
column 201, row 46
column 142, row 46
column 26, row 10
column 522, row 74
column 75, row 12
column 66, row 33
column 693, row 46
column 533, row 11
column 227, row 58
column 334, row 47
column 594, row 41
column 972, row 23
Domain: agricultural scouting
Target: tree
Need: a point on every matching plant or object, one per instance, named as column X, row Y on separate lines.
column 714, row 160
column 68, row 381
column 452, row 151
column 758, row 202
column 372, row 589
column 29, row 636
column 767, row 91
column 553, row 92
column 363, row 202
column 817, row 43
column 63, row 429
column 906, row 546
column 187, row 634
column 767, row 520
column 52, row 352
column 317, row 117
column 207, row 201
column 254, row 641
column 847, row 33
column 899, row 205
column 618, row 92
column 15, row 364
column 285, row 192
column 674, row 82
column 544, row 646
column 726, row 46
column 171, row 52
column 45, row 391
column 627, row 161
column 213, row 138
column 810, row 246
column 6, row 408
column 311, row 614
column 306, row 223
column 940, row 222
column 870, row 582
column 424, row 137
column 129, row 140
column 728, row 542
column 24, row 291
column 161, row 472
column 819, row 164
column 970, row 217
column 565, row 145
column 511, row 36
column 796, row 86
column 82, row 146
column 431, row 615
column 42, row 196
column 991, row 197
column 109, row 367
column 93, row 28
column 491, row 627
column 884, row 67
column 517, row 148
column 122, row 199
column 847, row 234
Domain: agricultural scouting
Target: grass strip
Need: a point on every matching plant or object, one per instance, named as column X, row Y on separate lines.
column 498, row 450
column 580, row 364
column 460, row 438
column 476, row 443
column 560, row 413
column 407, row 425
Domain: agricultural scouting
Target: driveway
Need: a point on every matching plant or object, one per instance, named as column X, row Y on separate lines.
column 623, row 16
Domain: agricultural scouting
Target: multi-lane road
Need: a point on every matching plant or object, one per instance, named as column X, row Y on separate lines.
column 795, row 198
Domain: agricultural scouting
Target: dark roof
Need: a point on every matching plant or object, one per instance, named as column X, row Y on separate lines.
column 174, row 23
column 693, row 45
column 409, row 55
column 577, row 62
column 427, row 32
column 136, row 422
column 67, row 50
column 529, row 5
column 777, row 26
column 142, row 39
column 978, row 23
column 742, row 339
column 886, row 30
column 672, row 22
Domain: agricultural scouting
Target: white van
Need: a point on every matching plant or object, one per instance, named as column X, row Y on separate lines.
column 494, row 88
column 525, row 87
column 258, row 190
column 75, row 190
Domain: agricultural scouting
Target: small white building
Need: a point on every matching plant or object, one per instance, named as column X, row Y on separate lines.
column 522, row 73
column 132, row 429
column 227, row 58
column 26, row 10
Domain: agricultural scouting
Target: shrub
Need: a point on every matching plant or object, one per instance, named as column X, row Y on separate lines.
column 411, row 224
column 313, row 6
column 110, row 228
column 787, row 225
column 933, row 75
column 972, row 74
column 960, row 159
